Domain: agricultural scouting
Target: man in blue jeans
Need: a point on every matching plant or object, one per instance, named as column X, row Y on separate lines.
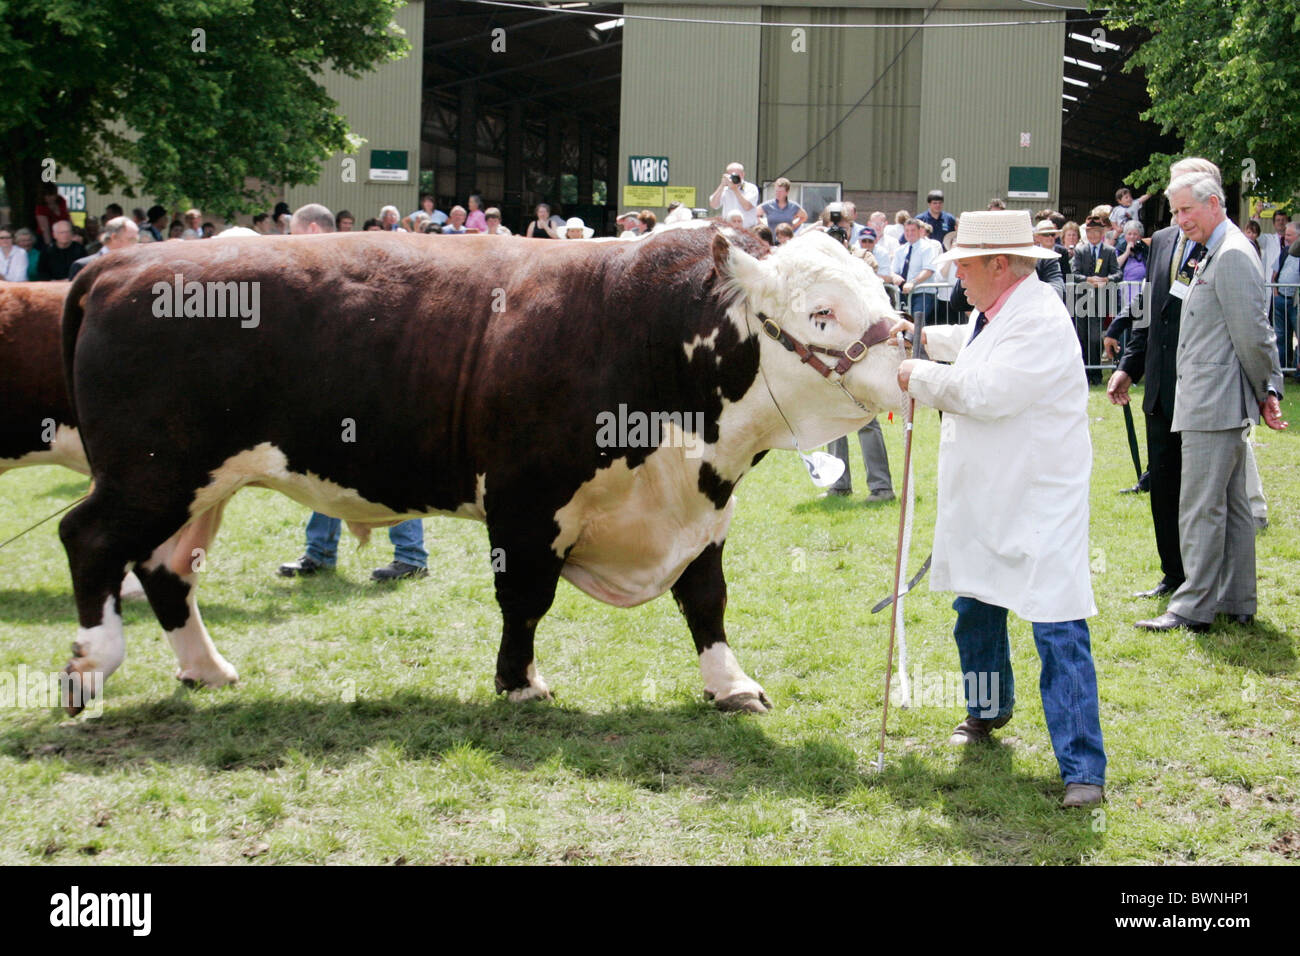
column 1014, row 466
column 410, row 559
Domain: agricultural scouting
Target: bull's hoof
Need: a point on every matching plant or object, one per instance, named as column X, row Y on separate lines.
column 745, row 701
column 75, row 689
column 536, row 689
column 217, row 674
column 528, row 693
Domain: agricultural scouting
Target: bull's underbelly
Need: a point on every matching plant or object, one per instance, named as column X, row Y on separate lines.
column 626, row 535
column 65, row 450
column 631, row 533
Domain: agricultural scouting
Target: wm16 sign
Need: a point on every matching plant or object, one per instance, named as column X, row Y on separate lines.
column 647, row 170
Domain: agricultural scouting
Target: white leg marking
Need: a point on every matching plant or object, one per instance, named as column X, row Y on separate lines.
column 536, row 689
column 98, row 651
column 723, row 677
column 200, row 661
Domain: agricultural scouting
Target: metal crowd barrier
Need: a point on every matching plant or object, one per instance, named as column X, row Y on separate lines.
column 1093, row 310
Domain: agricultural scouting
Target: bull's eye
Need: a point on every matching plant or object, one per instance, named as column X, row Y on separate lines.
column 821, row 317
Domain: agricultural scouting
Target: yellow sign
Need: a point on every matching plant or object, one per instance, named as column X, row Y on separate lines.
column 1262, row 209
column 643, row 196
column 682, row 194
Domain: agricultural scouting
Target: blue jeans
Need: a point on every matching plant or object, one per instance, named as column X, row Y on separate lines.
column 1068, row 683
column 922, row 302
column 323, row 540
column 1284, row 312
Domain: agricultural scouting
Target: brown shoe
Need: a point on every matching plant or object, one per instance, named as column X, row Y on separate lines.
column 975, row 730
column 1082, row 795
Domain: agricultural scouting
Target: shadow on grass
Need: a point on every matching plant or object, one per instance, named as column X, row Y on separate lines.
column 990, row 812
column 1260, row 647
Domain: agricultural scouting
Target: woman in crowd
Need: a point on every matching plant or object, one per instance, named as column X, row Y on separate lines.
column 542, row 227
column 1132, row 260
column 1070, row 235
column 476, row 221
column 13, row 258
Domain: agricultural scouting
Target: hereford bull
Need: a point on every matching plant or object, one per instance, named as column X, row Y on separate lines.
column 513, row 381
column 36, row 425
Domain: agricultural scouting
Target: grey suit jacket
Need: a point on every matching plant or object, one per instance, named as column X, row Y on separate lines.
column 1227, row 352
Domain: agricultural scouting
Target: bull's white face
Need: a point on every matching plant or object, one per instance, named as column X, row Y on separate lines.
column 820, row 295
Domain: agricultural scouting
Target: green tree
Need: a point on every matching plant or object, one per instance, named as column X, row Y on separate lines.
column 1224, row 76
column 211, row 101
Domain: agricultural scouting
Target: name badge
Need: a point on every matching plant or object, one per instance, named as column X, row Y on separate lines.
column 1180, row 288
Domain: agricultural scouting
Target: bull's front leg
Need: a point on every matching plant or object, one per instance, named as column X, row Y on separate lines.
column 701, row 593
column 525, row 578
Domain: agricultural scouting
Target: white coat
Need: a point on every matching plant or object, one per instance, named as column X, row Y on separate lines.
column 1015, row 459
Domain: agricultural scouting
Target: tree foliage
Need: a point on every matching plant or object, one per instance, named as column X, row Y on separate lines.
column 210, row 101
column 1224, row 76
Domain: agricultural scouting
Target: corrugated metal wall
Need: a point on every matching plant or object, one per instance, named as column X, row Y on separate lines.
column 690, row 92
column 982, row 88
column 811, row 78
column 384, row 108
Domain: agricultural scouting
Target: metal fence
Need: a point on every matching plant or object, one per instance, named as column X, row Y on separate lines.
column 1093, row 309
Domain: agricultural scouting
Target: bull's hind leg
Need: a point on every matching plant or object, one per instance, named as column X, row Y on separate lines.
column 170, row 578
column 101, row 537
column 701, row 593
column 525, row 587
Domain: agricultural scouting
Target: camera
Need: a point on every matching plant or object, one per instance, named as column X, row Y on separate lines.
column 837, row 232
column 735, row 179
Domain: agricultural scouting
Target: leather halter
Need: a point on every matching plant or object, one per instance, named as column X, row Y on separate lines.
column 876, row 333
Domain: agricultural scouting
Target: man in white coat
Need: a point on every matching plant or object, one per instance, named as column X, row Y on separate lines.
column 1014, row 466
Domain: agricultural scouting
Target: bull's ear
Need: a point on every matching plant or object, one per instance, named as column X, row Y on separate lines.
column 738, row 266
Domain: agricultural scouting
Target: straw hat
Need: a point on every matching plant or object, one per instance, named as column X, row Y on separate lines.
column 1046, row 227
column 577, row 223
column 996, row 232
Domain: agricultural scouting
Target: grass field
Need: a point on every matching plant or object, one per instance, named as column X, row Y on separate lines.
column 365, row 728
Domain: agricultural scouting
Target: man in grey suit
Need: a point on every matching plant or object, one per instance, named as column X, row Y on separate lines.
column 1228, row 378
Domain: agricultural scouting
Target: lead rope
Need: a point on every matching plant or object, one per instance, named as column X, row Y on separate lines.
column 45, row 519
column 896, row 626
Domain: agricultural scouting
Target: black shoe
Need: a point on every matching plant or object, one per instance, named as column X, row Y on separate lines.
column 1169, row 621
column 303, row 567
column 836, row 493
column 1135, row 490
column 1160, row 590
column 397, row 571
column 1246, row 620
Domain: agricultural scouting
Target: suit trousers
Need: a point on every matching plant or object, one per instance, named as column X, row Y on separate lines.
column 1216, row 530
column 1165, row 461
column 874, row 458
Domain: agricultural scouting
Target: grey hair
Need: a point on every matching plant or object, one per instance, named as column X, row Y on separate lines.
column 383, row 212
column 1021, row 266
column 114, row 226
column 311, row 213
column 1134, row 226
column 1203, row 186
column 1193, row 164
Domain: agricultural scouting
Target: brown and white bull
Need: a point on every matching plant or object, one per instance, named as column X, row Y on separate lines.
column 514, row 381
column 36, row 421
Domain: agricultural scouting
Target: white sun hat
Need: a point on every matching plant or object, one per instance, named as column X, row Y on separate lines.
column 997, row 232
column 577, row 223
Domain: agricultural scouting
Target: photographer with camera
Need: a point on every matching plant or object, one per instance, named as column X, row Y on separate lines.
column 735, row 193
column 914, row 265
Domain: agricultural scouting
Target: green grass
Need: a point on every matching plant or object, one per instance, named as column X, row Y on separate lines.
column 365, row 728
